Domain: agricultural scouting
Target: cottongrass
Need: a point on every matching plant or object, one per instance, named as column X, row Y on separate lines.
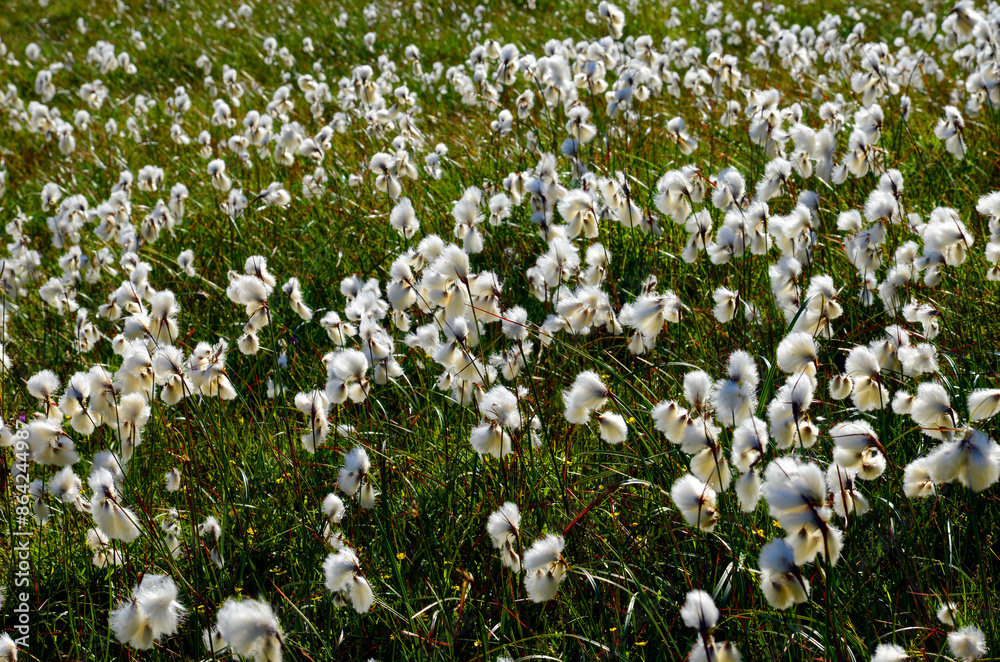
column 727, row 250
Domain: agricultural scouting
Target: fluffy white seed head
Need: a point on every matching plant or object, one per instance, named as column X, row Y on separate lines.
column 797, row 353
column 696, row 500
column 355, row 470
column 613, row 428
column 586, row 394
column 251, row 629
column 983, row 404
column 780, row 577
column 968, row 643
column 699, row 611
column 889, row 653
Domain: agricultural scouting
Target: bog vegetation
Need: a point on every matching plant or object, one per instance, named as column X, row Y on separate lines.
column 520, row 331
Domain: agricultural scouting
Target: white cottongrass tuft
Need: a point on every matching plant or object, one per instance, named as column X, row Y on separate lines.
column 889, row 653
column 946, row 613
column 114, row 520
column 857, row 447
column 504, row 529
column 917, row 481
column 973, row 460
column 343, row 574
column 797, row 353
column 983, row 404
column 780, row 577
column 796, row 494
column 696, row 501
column 545, row 568
column 699, row 611
column 354, row 477
column 152, row 612
column 251, row 629
column 8, row 649
column 586, row 394
column 172, row 480
column 315, row 406
column 968, row 643
column 613, row 428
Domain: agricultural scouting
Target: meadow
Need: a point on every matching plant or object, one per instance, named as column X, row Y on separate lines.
column 534, row 330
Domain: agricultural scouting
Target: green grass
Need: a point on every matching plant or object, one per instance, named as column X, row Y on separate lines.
column 441, row 593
